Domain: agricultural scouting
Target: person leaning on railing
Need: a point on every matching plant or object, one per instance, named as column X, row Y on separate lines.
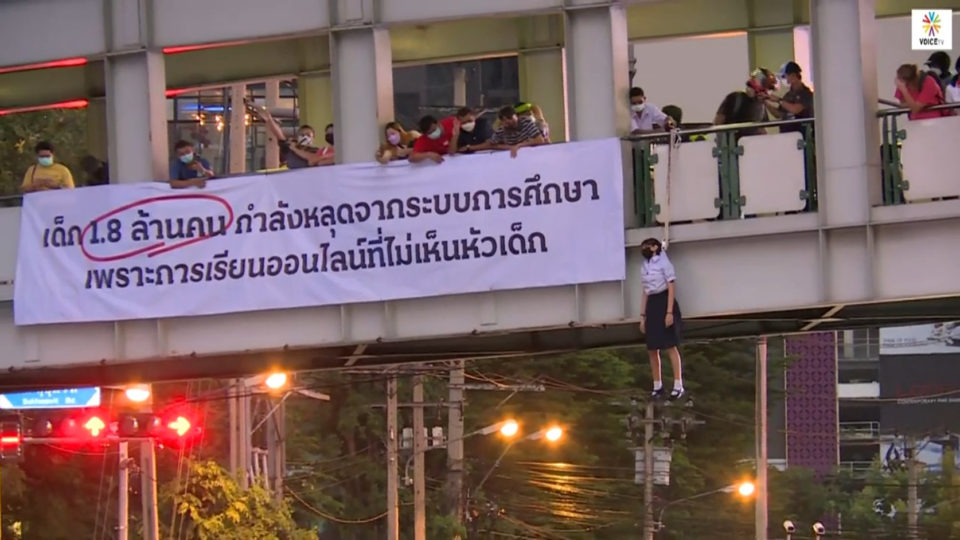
column 917, row 91
column 397, row 144
column 45, row 174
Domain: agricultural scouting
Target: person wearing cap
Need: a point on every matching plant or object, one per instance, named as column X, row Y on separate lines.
column 746, row 106
column 938, row 65
column 534, row 114
column 797, row 103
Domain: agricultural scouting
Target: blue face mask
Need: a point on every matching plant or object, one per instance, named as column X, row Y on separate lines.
column 45, row 161
column 187, row 158
column 435, row 134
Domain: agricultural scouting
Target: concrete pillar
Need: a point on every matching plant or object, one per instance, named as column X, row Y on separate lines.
column 137, row 117
column 597, row 69
column 271, row 100
column 771, row 48
column 460, row 86
column 315, row 101
column 847, row 132
column 541, row 82
column 135, row 91
column 238, row 130
column 362, row 90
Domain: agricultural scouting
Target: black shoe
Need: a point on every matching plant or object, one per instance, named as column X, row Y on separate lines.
column 676, row 394
column 657, row 394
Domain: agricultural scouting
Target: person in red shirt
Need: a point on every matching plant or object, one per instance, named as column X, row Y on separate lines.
column 918, row 92
column 436, row 140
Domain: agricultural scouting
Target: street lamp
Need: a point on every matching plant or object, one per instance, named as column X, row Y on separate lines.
column 275, row 380
column 137, row 393
column 744, row 489
column 551, row 434
column 509, row 428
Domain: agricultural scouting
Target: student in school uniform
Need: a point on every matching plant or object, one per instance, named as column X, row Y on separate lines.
column 660, row 317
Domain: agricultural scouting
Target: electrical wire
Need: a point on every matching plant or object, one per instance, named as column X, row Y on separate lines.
column 334, row 519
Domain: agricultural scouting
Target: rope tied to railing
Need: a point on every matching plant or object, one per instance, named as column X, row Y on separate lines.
column 672, row 145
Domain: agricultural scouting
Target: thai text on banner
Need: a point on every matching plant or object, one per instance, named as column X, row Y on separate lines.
column 333, row 235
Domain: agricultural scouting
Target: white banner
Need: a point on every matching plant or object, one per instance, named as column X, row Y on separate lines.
column 321, row 236
column 940, row 338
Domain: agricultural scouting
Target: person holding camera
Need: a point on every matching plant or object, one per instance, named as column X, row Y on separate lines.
column 660, row 316
column 188, row 169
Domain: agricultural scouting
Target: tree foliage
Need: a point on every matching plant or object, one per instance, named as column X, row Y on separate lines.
column 210, row 505
column 19, row 133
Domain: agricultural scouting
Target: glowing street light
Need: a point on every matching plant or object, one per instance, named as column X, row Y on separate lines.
column 137, row 393
column 746, row 488
column 554, row 434
column 509, row 428
column 276, row 380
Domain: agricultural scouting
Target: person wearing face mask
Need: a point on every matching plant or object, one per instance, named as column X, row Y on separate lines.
column 439, row 139
column 303, row 152
column 474, row 130
column 646, row 117
column 660, row 316
column 797, row 103
column 188, row 169
column 397, row 143
column 46, row 174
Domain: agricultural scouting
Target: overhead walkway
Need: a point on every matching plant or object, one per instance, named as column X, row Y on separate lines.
column 762, row 261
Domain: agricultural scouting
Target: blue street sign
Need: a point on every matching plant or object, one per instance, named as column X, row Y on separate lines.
column 67, row 398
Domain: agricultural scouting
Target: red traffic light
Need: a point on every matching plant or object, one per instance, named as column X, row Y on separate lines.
column 11, row 437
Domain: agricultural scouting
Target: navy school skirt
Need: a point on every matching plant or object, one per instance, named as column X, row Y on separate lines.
column 659, row 336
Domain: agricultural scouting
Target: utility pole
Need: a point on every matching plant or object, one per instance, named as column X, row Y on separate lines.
column 419, row 463
column 240, row 436
column 648, row 529
column 913, row 478
column 123, row 492
column 455, row 441
column 761, row 434
column 148, row 490
column 393, row 451
column 277, row 448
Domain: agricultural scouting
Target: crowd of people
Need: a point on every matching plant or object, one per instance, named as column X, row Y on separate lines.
column 523, row 125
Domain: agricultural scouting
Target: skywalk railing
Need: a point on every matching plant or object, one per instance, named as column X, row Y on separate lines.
column 725, row 172
column 914, row 154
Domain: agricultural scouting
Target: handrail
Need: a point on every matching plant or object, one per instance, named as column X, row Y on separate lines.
column 719, row 129
column 902, row 110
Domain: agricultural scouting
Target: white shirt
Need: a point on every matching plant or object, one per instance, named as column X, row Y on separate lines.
column 952, row 93
column 656, row 273
column 645, row 119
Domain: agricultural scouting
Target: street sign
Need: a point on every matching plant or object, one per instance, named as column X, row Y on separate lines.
column 67, row 398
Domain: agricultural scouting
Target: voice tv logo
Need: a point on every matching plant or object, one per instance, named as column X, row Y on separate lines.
column 931, row 30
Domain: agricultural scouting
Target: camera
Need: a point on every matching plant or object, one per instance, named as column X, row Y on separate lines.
column 819, row 529
column 789, row 527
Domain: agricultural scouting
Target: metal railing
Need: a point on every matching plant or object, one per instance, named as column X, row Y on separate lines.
column 727, row 152
column 859, row 430
column 858, row 468
column 892, row 135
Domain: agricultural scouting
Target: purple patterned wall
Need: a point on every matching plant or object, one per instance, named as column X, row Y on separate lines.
column 811, row 388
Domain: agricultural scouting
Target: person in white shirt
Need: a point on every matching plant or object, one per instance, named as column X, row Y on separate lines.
column 660, row 317
column 951, row 93
column 646, row 117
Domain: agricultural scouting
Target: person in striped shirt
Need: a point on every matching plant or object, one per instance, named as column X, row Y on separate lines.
column 513, row 133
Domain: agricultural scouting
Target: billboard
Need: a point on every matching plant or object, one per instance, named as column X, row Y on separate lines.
column 939, row 338
column 920, row 393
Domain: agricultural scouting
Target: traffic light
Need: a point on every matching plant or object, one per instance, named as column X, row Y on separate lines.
column 11, row 437
column 173, row 427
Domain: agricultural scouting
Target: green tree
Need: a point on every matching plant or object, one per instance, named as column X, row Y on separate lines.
column 211, row 505
column 65, row 128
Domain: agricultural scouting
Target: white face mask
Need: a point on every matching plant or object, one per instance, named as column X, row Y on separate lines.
column 468, row 126
column 305, row 140
column 637, row 107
